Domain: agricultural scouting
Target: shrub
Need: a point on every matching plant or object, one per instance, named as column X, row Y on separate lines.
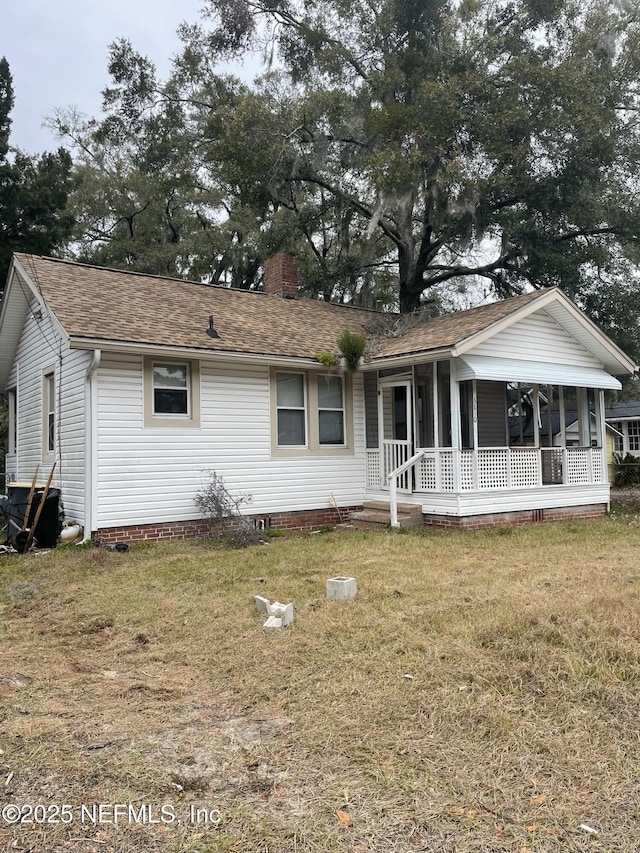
column 221, row 510
column 626, row 470
column 352, row 347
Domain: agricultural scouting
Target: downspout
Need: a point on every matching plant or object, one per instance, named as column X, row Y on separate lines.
column 90, row 446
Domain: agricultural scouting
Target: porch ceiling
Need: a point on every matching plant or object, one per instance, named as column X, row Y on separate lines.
column 544, row 373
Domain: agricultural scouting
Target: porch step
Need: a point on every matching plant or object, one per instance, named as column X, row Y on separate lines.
column 378, row 514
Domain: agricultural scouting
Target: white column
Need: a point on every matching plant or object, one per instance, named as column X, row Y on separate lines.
column 436, row 407
column 602, row 433
column 454, row 398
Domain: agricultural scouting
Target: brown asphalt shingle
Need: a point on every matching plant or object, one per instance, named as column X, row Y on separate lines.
column 110, row 305
column 451, row 329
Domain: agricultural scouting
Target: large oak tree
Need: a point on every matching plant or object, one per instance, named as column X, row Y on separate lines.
column 492, row 139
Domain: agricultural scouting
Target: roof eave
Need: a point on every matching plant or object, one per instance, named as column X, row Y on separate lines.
column 134, row 348
column 409, row 359
column 545, row 299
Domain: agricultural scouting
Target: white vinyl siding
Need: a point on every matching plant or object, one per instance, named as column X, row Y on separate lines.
column 147, row 475
column 40, row 348
column 538, row 338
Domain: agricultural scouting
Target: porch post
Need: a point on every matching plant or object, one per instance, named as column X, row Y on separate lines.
column 563, row 434
column 474, row 417
column 601, row 426
column 454, row 394
column 536, row 430
column 436, row 407
column 381, row 452
column 536, row 415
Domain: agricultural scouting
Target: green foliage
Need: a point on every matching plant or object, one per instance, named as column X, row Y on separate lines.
column 33, row 192
column 326, row 358
column 352, row 346
column 401, row 148
column 462, row 136
column 626, row 468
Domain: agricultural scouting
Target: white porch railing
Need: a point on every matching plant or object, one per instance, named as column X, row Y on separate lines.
column 394, row 476
column 395, row 454
column 488, row 468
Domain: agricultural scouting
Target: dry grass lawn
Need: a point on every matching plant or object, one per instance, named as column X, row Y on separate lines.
column 481, row 693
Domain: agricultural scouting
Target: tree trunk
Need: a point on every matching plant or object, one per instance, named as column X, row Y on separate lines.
column 411, row 281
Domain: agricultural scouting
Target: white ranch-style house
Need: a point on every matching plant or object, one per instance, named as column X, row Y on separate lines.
column 136, row 386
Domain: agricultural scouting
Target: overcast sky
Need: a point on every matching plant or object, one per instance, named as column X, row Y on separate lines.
column 57, row 51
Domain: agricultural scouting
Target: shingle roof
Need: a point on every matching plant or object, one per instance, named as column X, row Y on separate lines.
column 95, row 303
column 626, row 409
column 104, row 304
column 451, row 329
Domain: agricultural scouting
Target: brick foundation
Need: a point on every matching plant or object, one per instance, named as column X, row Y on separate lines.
column 512, row 519
column 302, row 520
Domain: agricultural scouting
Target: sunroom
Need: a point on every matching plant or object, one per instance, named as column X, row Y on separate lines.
column 471, row 418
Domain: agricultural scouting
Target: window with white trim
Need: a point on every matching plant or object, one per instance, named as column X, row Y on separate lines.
column 171, row 389
column 291, row 408
column 12, row 402
column 48, row 413
column 331, row 411
column 171, row 393
column 633, row 428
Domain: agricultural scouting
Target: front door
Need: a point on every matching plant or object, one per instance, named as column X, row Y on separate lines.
column 395, row 420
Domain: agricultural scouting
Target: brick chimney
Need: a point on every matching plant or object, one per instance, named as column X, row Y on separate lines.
column 281, row 275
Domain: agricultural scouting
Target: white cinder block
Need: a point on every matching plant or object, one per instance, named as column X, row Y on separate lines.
column 261, row 603
column 280, row 615
column 340, row 589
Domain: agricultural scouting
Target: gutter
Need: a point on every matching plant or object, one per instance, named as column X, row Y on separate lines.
column 90, row 448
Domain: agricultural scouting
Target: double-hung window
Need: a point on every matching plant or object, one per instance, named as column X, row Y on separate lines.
column 291, row 409
column 12, row 400
column 633, row 428
column 330, row 411
column 171, row 389
column 171, row 393
column 48, row 414
column 310, row 413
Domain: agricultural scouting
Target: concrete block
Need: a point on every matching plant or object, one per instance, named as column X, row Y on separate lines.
column 341, row 589
column 261, row 603
column 279, row 615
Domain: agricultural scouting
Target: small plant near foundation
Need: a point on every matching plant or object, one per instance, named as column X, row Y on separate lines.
column 221, row 510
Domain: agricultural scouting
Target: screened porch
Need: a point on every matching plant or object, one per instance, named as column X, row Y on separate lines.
column 463, row 427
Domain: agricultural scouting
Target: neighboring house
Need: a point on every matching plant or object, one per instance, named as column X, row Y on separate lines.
column 136, row 385
column 624, row 419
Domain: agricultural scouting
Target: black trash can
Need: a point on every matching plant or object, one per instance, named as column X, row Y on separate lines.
column 14, row 508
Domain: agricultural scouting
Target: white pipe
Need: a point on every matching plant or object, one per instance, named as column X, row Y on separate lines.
column 89, row 445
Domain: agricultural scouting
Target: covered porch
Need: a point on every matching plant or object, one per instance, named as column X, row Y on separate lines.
column 483, row 435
